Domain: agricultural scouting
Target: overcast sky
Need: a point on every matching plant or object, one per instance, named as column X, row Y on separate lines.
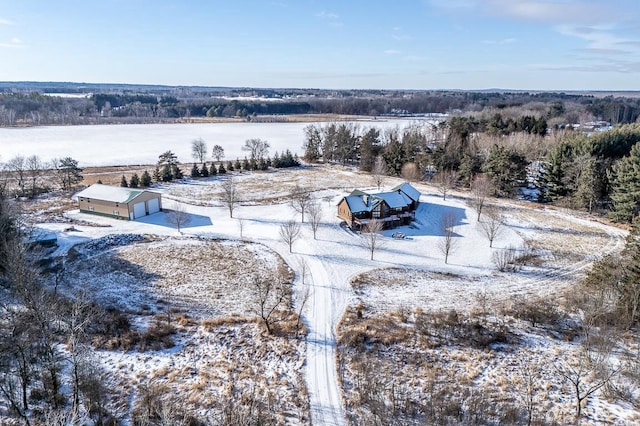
column 401, row 44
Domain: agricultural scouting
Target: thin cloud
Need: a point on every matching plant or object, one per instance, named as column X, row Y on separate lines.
column 5, row 22
column 332, row 18
column 14, row 43
column 399, row 35
column 621, row 67
column 509, row 40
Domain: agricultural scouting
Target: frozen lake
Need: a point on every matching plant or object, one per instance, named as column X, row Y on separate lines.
column 106, row 145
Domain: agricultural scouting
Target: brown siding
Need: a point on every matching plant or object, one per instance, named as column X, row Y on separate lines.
column 344, row 212
column 110, row 208
column 119, row 210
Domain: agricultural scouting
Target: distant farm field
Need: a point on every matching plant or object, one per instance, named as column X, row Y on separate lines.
column 132, row 144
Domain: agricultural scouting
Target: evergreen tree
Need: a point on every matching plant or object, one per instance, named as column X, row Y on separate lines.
column 276, row 160
column 262, row 165
column 369, row 148
column 506, row 169
column 394, row 155
column 246, row 166
column 176, row 172
column 626, row 186
column 166, row 175
column 157, row 176
column 145, row 180
column 470, row 166
column 221, row 169
column 230, row 167
column 134, row 182
column 204, row 170
column 313, row 143
column 237, row 165
column 213, row 170
column 195, row 172
column 67, row 172
column 99, row 181
column 123, row 182
column 553, row 181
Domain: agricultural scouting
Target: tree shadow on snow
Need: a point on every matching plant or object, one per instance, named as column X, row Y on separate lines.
column 191, row 220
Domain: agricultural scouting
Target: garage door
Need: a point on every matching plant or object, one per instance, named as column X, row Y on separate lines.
column 139, row 210
column 154, row 205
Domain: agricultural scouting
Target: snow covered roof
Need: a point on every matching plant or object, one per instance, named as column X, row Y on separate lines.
column 116, row 194
column 356, row 204
column 395, row 200
column 408, row 190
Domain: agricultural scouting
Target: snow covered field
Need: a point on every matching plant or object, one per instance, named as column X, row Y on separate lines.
column 406, row 275
column 107, row 145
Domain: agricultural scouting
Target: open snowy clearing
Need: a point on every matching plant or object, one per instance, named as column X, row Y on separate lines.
column 410, row 273
column 105, row 145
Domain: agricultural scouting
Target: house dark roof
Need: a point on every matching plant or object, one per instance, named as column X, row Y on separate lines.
column 398, row 198
column 356, row 204
column 408, row 190
column 395, row 200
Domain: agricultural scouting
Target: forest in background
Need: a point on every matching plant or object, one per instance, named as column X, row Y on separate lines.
column 33, row 104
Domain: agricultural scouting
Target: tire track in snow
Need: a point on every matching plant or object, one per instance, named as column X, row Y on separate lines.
column 322, row 381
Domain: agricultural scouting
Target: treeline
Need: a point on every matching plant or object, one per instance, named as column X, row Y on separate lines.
column 596, row 173
column 156, row 104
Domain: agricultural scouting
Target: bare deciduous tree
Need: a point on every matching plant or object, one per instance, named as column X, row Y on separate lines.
column 584, row 377
column 270, row 295
column 217, row 152
column 290, row 232
column 315, row 216
column 481, row 188
column 525, row 386
column 18, row 168
column 300, row 199
column 445, row 181
column 257, row 148
column 448, row 242
column 370, row 235
column 379, row 171
column 35, row 169
column 492, row 225
column 230, row 195
column 199, row 150
column 178, row 217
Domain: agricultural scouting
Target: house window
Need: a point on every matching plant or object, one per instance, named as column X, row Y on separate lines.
column 376, row 214
column 116, row 212
column 90, row 208
column 117, row 205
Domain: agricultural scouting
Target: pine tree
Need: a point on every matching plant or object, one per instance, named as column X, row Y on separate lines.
column 134, row 182
column 176, row 172
column 626, row 186
column 195, row 172
column 221, row 169
column 506, row 169
column 157, row 177
column 123, row 182
column 166, row 175
column 204, row 170
column 237, row 165
column 212, row 169
column 145, row 180
column 230, row 167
